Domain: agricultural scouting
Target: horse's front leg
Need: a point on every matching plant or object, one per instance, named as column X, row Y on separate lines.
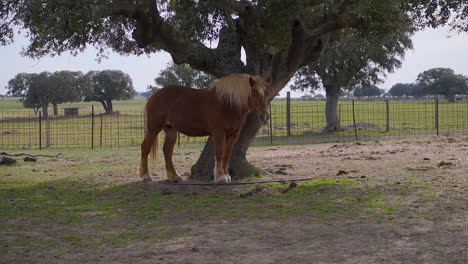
column 220, row 145
column 230, row 142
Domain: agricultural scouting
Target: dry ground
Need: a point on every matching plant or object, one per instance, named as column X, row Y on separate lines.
column 369, row 202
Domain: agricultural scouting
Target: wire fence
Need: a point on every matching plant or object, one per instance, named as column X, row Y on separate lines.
column 292, row 122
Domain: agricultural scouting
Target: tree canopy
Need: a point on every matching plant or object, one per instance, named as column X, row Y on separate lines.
column 370, row 90
column 436, row 81
column 40, row 90
column 443, row 81
column 106, row 86
column 183, row 75
column 353, row 60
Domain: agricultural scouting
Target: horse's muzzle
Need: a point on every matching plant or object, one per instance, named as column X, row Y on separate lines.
column 264, row 117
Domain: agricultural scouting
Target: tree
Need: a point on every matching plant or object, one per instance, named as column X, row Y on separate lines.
column 64, row 86
column 40, row 90
column 183, row 75
column 402, row 89
column 352, row 60
column 105, row 86
column 370, row 90
column 278, row 36
column 443, row 81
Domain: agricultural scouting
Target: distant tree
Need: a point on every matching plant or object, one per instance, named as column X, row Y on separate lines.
column 40, row 90
column 64, row 86
column 106, row 86
column 407, row 89
column 183, row 75
column 443, row 81
column 352, row 60
column 33, row 90
column 370, row 91
column 401, row 89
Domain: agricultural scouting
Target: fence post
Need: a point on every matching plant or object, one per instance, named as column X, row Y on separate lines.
column 92, row 127
column 339, row 116
column 271, row 125
column 178, row 139
column 354, row 123
column 288, row 113
column 100, row 133
column 40, row 129
column 387, row 128
column 437, row 115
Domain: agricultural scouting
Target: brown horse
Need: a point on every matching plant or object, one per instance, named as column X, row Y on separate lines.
column 218, row 111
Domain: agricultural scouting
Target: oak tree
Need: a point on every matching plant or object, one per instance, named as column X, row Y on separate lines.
column 278, row 36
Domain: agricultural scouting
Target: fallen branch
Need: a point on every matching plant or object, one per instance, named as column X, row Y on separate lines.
column 30, row 155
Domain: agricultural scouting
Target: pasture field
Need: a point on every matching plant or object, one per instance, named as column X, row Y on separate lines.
column 19, row 128
column 397, row 201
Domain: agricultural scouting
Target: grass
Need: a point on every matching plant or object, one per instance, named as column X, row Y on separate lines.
column 307, row 121
column 90, row 201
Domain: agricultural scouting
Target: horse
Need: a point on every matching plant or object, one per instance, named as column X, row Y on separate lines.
column 219, row 111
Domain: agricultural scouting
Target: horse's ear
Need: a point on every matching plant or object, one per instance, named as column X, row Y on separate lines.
column 251, row 82
column 268, row 80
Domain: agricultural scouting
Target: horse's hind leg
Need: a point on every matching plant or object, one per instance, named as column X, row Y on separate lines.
column 168, row 149
column 150, row 137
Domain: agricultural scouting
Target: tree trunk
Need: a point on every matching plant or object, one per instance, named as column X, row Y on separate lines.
column 109, row 109
column 239, row 167
column 451, row 98
column 45, row 111
column 55, row 109
column 331, row 109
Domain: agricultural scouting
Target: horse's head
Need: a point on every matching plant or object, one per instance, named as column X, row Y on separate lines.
column 258, row 101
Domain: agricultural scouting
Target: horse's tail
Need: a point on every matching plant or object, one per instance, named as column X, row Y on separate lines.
column 153, row 160
column 153, row 157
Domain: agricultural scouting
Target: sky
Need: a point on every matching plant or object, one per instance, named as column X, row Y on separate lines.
column 432, row 48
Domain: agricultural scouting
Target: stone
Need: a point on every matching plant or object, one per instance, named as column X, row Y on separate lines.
column 6, row 160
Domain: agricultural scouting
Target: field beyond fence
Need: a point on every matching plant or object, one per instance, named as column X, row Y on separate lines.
column 292, row 121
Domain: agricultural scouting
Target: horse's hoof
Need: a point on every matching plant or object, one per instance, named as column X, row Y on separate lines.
column 175, row 179
column 223, row 179
column 147, row 180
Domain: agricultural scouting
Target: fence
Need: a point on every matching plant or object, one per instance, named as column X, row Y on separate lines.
column 292, row 121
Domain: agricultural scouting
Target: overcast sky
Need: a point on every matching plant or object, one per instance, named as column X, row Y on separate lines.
column 432, row 48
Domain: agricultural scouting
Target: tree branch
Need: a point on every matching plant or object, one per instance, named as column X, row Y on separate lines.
column 152, row 30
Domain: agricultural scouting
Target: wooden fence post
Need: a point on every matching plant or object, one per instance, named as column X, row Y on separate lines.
column 387, row 128
column 92, row 127
column 40, row 129
column 271, row 125
column 437, row 115
column 100, row 132
column 354, row 122
column 288, row 113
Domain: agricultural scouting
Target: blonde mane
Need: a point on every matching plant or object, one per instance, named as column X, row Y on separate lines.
column 235, row 89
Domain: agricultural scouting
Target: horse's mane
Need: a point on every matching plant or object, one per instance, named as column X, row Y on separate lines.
column 235, row 89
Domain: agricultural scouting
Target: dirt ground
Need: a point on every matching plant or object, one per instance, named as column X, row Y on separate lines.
column 400, row 201
column 432, row 227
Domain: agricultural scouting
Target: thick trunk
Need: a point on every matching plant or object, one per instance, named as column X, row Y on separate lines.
column 45, row 111
column 331, row 110
column 239, row 167
column 55, row 109
column 109, row 109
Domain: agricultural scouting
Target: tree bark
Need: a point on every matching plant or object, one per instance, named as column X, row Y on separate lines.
column 55, row 109
column 331, row 109
column 110, row 109
column 239, row 167
column 45, row 111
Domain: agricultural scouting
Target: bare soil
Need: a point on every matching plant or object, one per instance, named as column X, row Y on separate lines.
column 417, row 212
